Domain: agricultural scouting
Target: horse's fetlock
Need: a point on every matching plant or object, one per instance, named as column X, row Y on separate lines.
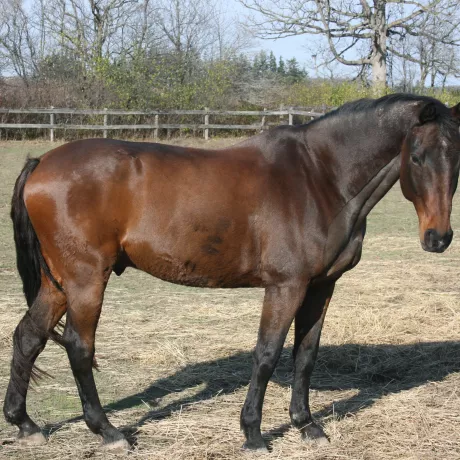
column 300, row 419
column 13, row 415
column 249, row 418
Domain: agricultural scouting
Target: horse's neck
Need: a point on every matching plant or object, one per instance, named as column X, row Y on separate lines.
column 368, row 160
column 359, row 146
column 350, row 220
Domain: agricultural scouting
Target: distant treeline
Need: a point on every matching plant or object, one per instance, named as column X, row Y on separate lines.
column 163, row 81
column 156, row 80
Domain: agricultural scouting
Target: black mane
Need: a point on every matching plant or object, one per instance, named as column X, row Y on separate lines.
column 368, row 104
column 367, row 107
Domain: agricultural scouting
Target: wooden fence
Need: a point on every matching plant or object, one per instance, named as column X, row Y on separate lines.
column 206, row 126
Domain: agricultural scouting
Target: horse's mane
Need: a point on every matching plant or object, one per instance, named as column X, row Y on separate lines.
column 368, row 107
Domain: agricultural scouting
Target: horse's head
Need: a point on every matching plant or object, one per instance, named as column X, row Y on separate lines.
column 429, row 171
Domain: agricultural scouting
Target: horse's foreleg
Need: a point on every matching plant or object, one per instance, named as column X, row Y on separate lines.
column 29, row 340
column 79, row 335
column 279, row 309
column 308, row 324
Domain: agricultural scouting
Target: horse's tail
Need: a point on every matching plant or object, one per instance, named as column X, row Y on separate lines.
column 29, row 259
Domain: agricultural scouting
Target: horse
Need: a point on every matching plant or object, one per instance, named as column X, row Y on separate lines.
column 284, row 210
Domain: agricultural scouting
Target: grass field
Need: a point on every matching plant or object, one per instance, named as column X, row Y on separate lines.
column 175, row 361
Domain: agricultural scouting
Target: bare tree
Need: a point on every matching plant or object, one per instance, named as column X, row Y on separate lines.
column 185, row 25
column 356, row 31
column 192, row 29
column 141, row 32
column 231, row 37
column 18, row 52
column 425, row 60
column 434, row 52
column 91, row 29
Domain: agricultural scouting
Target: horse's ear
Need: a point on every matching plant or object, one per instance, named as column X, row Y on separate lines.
column 428, row 113
column 455, row 112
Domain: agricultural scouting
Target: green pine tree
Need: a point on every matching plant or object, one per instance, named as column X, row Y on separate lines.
column 272, row 63
column 281, row 67
column 294, row 72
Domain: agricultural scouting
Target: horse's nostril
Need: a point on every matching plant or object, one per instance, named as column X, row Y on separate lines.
column 433, row 239
column 448, row 237
column 434, row 242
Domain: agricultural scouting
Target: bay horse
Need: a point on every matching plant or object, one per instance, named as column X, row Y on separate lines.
column 284, row 210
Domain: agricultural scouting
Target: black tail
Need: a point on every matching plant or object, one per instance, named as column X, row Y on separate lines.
column 29, row 259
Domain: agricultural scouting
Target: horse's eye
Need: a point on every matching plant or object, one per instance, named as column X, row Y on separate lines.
column 416, row 159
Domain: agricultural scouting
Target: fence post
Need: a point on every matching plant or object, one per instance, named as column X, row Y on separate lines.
column 262, row 123
column 155, row 130
column 105, row 123
column 291, row 117
column 52, row 123
column 206, row 122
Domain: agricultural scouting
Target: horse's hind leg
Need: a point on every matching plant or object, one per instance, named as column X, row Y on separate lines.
column 29, row 340
column 85, row 302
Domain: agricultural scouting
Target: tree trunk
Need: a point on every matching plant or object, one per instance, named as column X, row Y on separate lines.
column 423, row 75
column 379, row 48
column 433, row 62
column 379, row 71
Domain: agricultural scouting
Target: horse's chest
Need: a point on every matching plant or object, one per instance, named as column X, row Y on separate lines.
column 348, row 257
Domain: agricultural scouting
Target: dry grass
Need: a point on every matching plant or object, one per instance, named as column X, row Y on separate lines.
column 175, row 361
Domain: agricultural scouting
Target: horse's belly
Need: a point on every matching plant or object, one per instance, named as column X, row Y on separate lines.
column 186, row 262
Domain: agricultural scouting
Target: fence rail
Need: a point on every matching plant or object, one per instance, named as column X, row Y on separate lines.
column 156, row 114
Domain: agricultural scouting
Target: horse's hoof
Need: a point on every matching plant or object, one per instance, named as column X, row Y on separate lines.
column 36, row 439
column 117, row 447
column 259, row 448
column 323, row 441
column 312, row 433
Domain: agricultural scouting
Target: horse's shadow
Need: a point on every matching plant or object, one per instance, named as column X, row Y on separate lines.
column 373, row 370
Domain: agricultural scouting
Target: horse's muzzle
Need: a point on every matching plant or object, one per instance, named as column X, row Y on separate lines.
column 434, row 242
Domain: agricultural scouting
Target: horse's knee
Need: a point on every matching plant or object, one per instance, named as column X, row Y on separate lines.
column 265, row 362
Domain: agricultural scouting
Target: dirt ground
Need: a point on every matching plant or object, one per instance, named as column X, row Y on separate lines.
column 175, row 362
